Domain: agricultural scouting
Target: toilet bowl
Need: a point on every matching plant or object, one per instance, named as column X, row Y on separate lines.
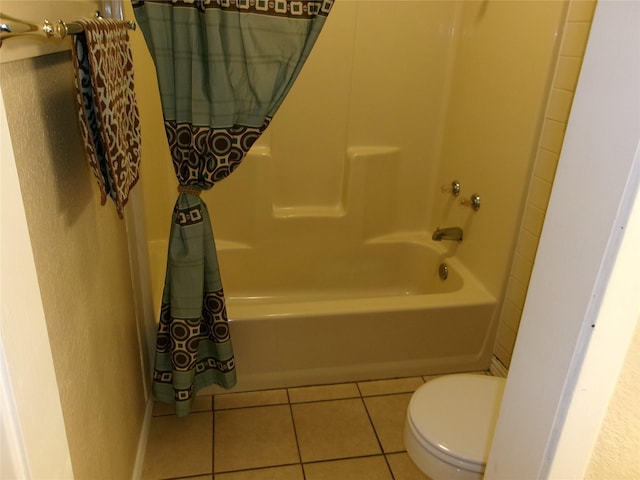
column 450, row 424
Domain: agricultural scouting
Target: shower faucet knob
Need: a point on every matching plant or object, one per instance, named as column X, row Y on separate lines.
column 473, row 202
column 453, row 188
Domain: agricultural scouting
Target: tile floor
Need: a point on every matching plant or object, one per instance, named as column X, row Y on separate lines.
column 329, row 432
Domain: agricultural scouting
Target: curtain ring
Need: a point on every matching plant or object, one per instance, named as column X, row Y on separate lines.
column 189, row 189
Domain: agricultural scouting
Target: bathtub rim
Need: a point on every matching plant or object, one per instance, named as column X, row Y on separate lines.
column 473, row 292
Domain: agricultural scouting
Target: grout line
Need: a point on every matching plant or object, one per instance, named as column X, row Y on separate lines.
column 197, row 475
column 241, row 470
column 302, row 464
column 328, row 460
column 321, row 400
column 359, row 390
column 386, row 460
column 373, row 426
column 213, row 440
column 251, row 406
column 295, row 435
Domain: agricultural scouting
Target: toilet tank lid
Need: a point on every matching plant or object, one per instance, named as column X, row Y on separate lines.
column 457, row 414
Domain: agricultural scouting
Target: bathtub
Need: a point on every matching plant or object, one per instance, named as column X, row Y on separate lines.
column 330, row 313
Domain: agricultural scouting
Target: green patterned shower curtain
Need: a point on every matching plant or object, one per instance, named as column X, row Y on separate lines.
column 224, row 67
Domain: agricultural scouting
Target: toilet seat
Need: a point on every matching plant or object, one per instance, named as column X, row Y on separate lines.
column 453, row 417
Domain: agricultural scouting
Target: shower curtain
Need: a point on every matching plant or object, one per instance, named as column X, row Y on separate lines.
column 224, row 67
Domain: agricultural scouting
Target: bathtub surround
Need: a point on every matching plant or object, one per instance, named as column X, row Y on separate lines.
column 223, row 71
column 376, row 178
column 373, row 178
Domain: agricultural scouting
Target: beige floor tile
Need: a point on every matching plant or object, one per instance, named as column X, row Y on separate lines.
column 287, row 472
column 250, row 399
column 323, row 392
column 385, row 387
column 255, row 437
column 365, row 468
column 179, row 447
column 200, row 404
column 199, row 477
column 403, row 467
column 334, row 429
column 388, row 414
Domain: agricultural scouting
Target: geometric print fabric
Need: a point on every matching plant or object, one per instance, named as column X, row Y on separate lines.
column 108, row 116
column 193, row 346
column 224, row 67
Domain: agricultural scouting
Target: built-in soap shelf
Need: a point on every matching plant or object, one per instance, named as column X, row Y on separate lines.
column 367, row 175
column 366, row 204
column 336, row 211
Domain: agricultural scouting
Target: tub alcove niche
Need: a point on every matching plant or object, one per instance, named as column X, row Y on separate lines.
column 324, row 232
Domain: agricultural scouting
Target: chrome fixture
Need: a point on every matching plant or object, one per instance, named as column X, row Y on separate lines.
column 449, row 233
column 443, row 271
column 473, row 202
column 12, row 27
column 453, row 188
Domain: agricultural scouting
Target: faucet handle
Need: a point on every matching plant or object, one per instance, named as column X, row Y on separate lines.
column 453, row 188
column 473, row 202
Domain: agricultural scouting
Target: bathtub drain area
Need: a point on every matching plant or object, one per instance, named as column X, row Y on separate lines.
column 443, row 271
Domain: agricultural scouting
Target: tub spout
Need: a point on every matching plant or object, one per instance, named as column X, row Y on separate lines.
column 449, row 233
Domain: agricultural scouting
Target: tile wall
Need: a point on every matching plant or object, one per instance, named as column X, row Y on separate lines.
column 572, row 48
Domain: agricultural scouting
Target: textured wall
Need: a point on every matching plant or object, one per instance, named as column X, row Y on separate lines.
column 81, row 256
column 616, row 455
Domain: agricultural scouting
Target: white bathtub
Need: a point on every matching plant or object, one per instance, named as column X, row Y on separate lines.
column 332, row 313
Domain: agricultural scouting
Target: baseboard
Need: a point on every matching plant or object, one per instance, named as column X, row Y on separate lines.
column 497, row 369
column 142, row 442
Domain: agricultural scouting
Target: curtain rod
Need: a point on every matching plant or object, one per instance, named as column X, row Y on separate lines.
column 11, row 27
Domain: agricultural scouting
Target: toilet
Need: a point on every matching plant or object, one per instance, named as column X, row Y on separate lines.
column 450, row 424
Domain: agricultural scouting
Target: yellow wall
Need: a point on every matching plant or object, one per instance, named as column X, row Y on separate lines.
column 567, row 69
column 82, row 263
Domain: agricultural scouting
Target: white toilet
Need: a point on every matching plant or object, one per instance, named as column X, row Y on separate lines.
column 450, row 424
